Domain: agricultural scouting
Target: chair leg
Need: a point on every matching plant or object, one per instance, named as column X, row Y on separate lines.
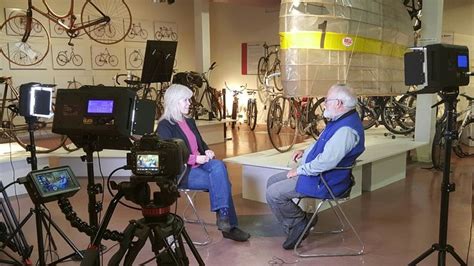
column 341, row 227
column 198, row 219
column 342, row 219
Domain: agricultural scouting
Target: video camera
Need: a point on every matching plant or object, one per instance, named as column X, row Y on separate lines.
column 437, row 67
column 151, row 157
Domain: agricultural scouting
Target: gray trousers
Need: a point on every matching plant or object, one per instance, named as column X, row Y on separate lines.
column 280, row 192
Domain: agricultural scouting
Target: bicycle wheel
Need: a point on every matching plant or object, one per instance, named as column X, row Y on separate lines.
column 45, row 140
column 252, row 114
column 100, row 60
column 407, row 107
column 262, row 70
column 213, row 101
column 61, row 59
column 144, row 34
column 77, row 60
column 391, row 114
column 113, row 60
column 282, row 136
column 457, row 144
column 316, row 119
column 34, row 49
column 120, row 20
column 277, row 79
column 135, row 59
column 438, row 146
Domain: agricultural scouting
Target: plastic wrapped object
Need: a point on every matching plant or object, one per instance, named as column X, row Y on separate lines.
column 357, row 42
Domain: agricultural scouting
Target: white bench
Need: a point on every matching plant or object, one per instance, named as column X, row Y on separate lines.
column 382, row 163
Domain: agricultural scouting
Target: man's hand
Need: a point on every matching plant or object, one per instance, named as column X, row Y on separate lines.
column 291, row 173
column 297, row 155
column 202, row 159
column 210, row 154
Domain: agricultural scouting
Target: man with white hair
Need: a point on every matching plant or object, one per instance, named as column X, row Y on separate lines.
column 341, row 142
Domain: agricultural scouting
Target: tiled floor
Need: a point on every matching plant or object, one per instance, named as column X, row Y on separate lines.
column 397, row 223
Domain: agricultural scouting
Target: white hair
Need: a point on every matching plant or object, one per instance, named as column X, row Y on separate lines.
column 346, row 94
column 173, row 95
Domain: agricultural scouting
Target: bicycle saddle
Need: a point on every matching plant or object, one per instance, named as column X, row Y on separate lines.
column 3, row 79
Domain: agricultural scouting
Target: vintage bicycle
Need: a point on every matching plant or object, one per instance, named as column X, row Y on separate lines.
column 14, row 127
column 64, row 58
column 104, row 21
column 269, row 64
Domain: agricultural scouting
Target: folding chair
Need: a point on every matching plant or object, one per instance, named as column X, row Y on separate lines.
column 341, row 217
column 190, row 195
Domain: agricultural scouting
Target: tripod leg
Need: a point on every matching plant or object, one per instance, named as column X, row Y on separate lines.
column 425, row 254
column 48, row 231
column 142, row 232
column 192, row 247
column 128, row 235
column 451, row 251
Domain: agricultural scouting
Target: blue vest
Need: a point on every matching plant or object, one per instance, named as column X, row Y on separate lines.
column 338, row 179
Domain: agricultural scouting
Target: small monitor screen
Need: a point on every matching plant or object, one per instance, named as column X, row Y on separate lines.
column 148, row 162
column 54, row 182
column 100, row 106
column 462, row 61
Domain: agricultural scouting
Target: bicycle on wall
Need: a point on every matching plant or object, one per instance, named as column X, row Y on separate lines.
column 104, row 21
column 269, row 64
column 137, row 30
column 106, row 58
column 136, row 58
column 166, row 33
column 64, row 58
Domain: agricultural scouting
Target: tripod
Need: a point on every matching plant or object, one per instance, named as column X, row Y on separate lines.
column 164, row 230
column 40, row 216
column 449, row 96
column 16, row 243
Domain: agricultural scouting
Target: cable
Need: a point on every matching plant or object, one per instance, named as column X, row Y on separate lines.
column 113, row 195
column 12, row 183
column 103, row 184
column 279, row 261
column 13, row 179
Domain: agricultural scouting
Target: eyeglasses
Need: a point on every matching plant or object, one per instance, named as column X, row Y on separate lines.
column 328, row 100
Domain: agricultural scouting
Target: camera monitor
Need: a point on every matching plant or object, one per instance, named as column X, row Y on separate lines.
column 51, row 184
column 36, row 100
column 148, row 163
column 159, row 61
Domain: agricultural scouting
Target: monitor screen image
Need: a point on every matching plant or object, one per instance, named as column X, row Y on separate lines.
column 148, row 162
column 462, row 61
column 54, row 182
column 100, row 106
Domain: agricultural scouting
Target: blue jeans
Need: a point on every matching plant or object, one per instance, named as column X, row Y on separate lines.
column 213, row 177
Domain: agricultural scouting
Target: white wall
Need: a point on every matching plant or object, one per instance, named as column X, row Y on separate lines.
column 232, row 25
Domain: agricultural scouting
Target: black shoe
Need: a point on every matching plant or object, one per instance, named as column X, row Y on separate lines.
column 236, row 234
column 295, row 233
column 223, row 222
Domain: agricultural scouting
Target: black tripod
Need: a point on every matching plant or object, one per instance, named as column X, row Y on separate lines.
column 40, row 216
column 164, row 230
column 449, row 96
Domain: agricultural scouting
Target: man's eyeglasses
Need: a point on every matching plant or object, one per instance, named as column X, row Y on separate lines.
column 328, row 100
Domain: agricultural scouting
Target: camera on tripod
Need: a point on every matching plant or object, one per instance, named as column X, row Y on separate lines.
column 152, row 158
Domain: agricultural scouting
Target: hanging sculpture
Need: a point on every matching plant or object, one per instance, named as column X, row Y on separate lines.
column 358, row 42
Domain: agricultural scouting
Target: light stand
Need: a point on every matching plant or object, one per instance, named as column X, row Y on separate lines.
column 40, row 216
column 449, row 95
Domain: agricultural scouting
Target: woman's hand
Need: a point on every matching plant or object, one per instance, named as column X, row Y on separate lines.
column 202, row 159
column 210, row 154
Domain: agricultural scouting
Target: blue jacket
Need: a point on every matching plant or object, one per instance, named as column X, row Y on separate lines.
column 167, row 130
column 338, row 179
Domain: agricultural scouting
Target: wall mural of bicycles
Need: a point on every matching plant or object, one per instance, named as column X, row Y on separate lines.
column 106, row 57
column 69, row 57
column 140, row 31
column 166, row 31
column 16, row 26
column 134, row 57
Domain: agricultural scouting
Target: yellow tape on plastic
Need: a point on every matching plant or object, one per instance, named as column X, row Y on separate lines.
column 339, row 42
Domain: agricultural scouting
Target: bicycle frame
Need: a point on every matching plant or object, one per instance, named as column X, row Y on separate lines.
column 71, row 29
